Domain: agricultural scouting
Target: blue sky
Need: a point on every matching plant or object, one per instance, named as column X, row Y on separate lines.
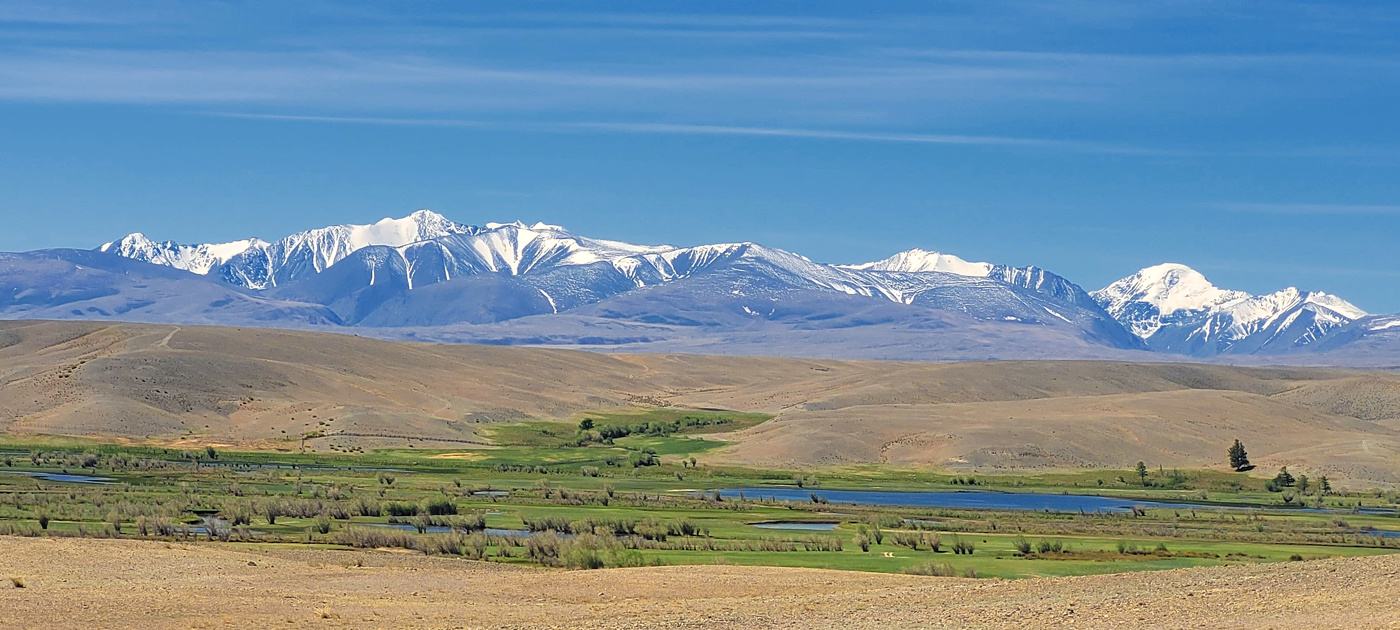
column 1255, row 141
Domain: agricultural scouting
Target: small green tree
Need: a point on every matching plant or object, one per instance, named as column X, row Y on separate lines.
column 1284, row 479
column 1323, row 486
column 585, row 424
column 1142, row 472
column 1303, row 484
column 1239, row 460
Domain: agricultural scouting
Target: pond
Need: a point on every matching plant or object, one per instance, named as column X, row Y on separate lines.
column 966, row 500
column 63, row 477
column 798, row 525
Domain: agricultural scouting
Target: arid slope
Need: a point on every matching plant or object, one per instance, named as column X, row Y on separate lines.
column 268, row 387
column 85, row 583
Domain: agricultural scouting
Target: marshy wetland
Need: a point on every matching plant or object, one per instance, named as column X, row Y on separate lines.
column 633, row 488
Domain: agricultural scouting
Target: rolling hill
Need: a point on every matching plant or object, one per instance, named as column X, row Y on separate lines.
column 265, row 388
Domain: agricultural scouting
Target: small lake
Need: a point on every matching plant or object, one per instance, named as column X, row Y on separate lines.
column 1379, row 532
column 798, row 525
column 966, row 500
column 63, row 477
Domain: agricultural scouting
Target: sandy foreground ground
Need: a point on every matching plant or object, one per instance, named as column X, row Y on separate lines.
column 74, row 583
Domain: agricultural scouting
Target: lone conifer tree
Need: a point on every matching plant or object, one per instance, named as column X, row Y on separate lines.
column 1238, row 459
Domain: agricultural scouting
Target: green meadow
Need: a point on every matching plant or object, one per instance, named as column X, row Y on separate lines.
column 634, row 487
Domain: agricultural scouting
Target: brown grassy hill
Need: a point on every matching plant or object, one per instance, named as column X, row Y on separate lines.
column 266, row 387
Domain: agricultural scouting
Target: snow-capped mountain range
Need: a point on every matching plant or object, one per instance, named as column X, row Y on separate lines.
column 424, row 273
column 1175, row 309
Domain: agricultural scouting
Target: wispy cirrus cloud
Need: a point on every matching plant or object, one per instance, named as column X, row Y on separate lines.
column 726, row 130
column 872, row 82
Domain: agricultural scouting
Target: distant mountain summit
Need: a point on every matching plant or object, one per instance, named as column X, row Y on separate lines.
column 1173, row 308
column 425, row 270
column 425, row 276
column 257, row 264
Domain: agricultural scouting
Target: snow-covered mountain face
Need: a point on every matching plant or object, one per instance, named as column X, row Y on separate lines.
column 1173, row 308
column 199, row 259
column 918, row 260
column 427, row 270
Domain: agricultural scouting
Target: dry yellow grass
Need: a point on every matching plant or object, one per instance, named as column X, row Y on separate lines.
column 265, row 388
column 76, row 583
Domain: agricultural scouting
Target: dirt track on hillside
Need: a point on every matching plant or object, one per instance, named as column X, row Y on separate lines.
column 73, row 583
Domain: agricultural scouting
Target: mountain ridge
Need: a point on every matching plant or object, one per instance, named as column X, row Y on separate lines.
column 424, row 274
column 1174, row 308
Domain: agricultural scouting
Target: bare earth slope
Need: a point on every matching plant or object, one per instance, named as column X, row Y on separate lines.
column 266, row 387
column 86, row 583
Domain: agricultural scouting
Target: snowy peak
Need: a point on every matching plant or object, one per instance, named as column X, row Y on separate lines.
column 518, row 249
column 257, row 264
column 198, row 259
column 1169, row 287
column 919, row 261
column 1168, row 307
column 1174, row 308
column 329, row 245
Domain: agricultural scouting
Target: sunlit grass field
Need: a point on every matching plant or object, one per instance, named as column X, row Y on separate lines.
column 631, row 487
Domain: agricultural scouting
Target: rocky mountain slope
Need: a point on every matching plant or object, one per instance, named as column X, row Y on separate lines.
column 424, row 276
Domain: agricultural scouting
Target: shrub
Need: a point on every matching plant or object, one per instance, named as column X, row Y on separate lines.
column 1050, row 546
column 963, row 546
column 558, row 524
column 862, row 541
column 272, row 509
column 473, row 522
column 935, row 569
column 821, row 543
column 685, row 527
column 907, row 539
column 644, row 457
column 1022, row 545
column 323, row 524
column 543, row 548
column 43, row 520
column 439, row 506
column 400, row 509
column 376, row 537
column 365, row 506
column 237, row 513
column 214, row 528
